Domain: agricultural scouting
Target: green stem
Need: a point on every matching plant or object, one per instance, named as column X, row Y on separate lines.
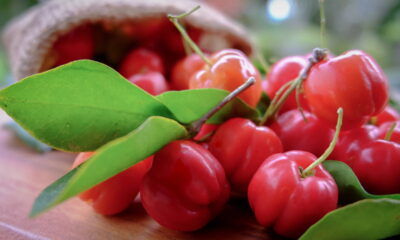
column 322, row 24
column 195, row 126
column 318, row 55
column 389, row 134
column 329, row 150
column 175, row 20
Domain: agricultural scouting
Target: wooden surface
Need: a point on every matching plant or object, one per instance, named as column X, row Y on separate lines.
column 24, row 173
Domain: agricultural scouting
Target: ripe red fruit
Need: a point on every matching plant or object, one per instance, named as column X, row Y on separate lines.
column 377, row 166
column 152, row 82
column 351, row 142
column 388, row 114
column 141, row 60
column 280, row 73
column 281, row 198
column 184, row 70
column 185, row 188
column 117, row 193
column 229, row 69
column 241, row 146
column 296, row 134
column 353, row 81
column 74, row 45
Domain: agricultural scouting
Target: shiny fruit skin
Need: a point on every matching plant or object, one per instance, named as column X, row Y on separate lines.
column 241, row 147
column 280, row 73
column 313, row 136
column 229, row 69
column 281, row 198
column 185, row 188
column 184, row 70
column 377, row 166
column 353, row 81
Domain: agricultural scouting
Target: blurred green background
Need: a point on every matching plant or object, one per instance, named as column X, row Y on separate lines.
column 290, row 27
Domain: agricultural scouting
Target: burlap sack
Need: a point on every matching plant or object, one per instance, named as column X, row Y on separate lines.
column 29, row 37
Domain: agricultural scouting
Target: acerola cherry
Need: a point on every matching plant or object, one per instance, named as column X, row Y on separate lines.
column 388, row 114
column 229, row 69
column 185, row 188
column 74, row 45
column 280, row 73
column 205, row 130
column 377, row 166
column 184, row 70
column 353, row 81
column 285, row 200
column 351, row 142
column 117, row 193
column 241, row 146
column 152, row 82
column 141, row 60
column 385, row 127
column 297, row 134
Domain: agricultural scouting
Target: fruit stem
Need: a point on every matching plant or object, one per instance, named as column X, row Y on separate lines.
column 175, row 20
column 318, row 55
column 328, row 151
column 389, row 133
column 322, row 24
column 195, row 126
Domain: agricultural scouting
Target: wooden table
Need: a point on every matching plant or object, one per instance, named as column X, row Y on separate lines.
column 24, row 173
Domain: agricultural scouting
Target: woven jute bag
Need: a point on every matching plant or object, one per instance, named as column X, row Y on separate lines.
column 29, row 37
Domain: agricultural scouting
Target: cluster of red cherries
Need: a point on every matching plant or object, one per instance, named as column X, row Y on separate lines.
column 187, row 183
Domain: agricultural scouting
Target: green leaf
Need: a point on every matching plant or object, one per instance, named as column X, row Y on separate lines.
column 79, row 106
column 111, row 159
column 350, row 189
column 264, row 103
column 365, row 219
column 190, row 105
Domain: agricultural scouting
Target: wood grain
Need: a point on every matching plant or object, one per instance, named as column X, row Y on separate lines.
column 24, row 173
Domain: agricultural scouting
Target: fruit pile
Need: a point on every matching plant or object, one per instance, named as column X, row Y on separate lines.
column 322, row 107
column 187, row 183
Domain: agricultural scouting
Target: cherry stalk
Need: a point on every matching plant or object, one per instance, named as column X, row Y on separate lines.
column 195, row 126
column 308, row 171
column 318, row 55
column 175, row 20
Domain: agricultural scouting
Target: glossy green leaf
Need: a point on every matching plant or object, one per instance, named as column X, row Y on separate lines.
column 350, row 189
column 79, row 106
column 111, row 159
column 190, row 105
column 366, row 219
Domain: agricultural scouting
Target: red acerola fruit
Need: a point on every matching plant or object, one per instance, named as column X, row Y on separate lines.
column 185, row 188
column 285, row 200
column 141, row 60
column 184, row 70
column 229, row 69
column 116, row 193
column 241, row 147
column 152, row 82
column 280, row 73
column 295, row 133
column 353, row 81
